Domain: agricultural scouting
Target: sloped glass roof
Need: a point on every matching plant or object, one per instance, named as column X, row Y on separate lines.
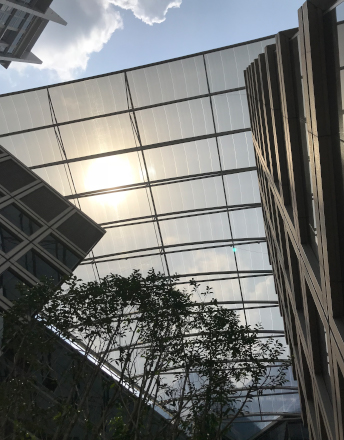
column 161, row 156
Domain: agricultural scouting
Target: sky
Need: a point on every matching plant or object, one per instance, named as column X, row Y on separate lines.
column 104, row 36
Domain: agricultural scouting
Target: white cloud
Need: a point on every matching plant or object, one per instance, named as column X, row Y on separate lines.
column 149, row 11
column 65, row 51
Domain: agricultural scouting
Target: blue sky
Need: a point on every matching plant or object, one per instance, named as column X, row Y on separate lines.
column 108, row 35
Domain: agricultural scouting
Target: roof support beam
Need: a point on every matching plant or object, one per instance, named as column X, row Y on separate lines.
column 124, row 150
column 160, row 182
column 228, row 242
column 178, row 214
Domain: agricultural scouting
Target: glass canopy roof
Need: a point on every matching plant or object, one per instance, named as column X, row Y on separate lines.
column 161, row 156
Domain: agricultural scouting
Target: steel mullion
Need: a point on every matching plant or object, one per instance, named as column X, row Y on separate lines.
column 146, row 172
column 70, row 179
column 223, row 181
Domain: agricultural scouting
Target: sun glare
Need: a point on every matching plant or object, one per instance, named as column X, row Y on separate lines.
column 109, row 172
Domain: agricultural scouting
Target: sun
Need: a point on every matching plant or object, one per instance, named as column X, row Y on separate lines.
column 109, row 172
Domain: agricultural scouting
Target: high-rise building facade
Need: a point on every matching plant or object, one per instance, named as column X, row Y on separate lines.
column 295, row 95
column 21, row 24
column 41, row 233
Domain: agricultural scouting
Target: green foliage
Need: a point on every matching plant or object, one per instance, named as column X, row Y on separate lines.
column 165, row 350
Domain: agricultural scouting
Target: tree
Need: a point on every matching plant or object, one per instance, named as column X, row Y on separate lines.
column 144, row 361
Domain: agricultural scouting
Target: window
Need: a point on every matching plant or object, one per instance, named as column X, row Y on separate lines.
column 8, row 241
column 59, row 250
column 9, row 285
column 17, row 217
column 38, row 267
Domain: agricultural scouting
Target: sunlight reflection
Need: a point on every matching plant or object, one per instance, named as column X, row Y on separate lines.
column 109, row 172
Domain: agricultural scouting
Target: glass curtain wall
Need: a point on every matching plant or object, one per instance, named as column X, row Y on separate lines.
column 161, row 156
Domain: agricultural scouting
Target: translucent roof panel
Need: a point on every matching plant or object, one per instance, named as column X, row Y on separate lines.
column 183, row 159
column 162, row 157
column 89, row 98
column 226, row 67
column 110, row 208
column 168, row 81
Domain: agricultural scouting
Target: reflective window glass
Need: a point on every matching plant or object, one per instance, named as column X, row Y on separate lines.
column 18, row 218
column 9, row 285
column 38, row 267
column 8, row 240
column 60, row 251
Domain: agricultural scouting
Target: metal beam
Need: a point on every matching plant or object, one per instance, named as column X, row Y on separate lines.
column 225, row 279
column 218, row 246
column 134, row 149
column 262, row 414
column 160, row 182
column 129, row 150
column 268, row 420
column 178, row 214
column 121, row 112
column 237, row 241
column 226, row 272
column 49, row 14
